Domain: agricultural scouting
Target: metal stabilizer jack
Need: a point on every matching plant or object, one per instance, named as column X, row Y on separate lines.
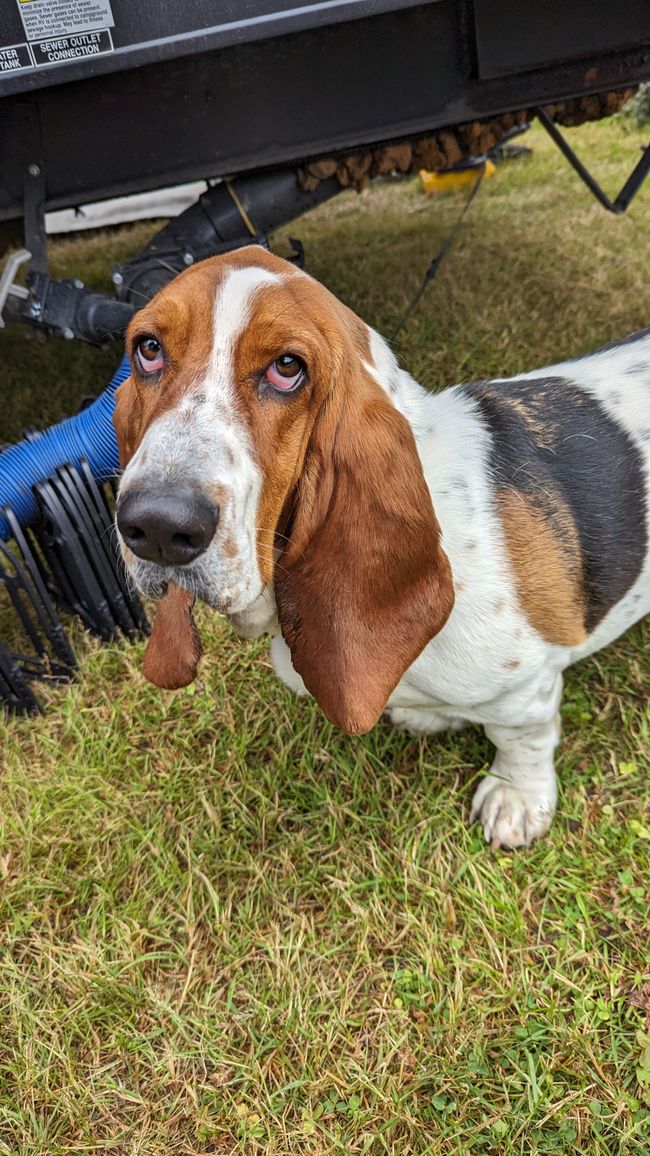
column 631, row 186
column 68, row 558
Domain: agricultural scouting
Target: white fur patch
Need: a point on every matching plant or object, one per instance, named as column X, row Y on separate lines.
column 232, row 309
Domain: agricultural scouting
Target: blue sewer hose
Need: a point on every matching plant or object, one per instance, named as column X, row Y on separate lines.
column 89, row 434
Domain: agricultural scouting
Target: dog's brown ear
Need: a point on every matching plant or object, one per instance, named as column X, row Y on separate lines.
column 363, row 583
column 174, row 648
column 127, row 419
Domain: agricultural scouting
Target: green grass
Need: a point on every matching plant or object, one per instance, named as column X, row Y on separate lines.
column 227, row 927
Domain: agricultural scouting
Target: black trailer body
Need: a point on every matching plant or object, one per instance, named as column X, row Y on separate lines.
column 108, row 97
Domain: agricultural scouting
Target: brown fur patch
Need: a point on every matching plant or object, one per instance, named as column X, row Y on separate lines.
column 547, row 563
column 180, row 318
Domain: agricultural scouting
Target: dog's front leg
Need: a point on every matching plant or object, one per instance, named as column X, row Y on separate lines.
column 516, row 801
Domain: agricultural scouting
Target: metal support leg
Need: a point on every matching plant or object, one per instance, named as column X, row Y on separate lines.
column 631, row 186
column 35, row 235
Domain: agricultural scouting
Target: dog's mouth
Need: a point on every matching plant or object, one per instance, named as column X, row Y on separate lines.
column 152, row 580
column 174, row 648
column 227, row 596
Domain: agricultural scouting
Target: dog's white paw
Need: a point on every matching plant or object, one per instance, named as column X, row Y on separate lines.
column 421, row 721
column 512, row 816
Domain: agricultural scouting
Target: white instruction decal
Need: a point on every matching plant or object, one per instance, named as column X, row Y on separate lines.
column 71, row 47
column 43, row 19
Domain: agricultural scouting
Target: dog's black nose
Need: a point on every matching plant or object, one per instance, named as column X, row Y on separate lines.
column 171, row 529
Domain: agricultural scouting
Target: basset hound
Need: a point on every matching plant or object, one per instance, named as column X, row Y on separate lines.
column 439, row 557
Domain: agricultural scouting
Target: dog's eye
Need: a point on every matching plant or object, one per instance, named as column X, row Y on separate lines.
column 149, row 355
column 285, row 373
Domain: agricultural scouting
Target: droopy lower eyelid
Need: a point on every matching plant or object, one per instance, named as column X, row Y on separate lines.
column 285, row 382
column 149, row 361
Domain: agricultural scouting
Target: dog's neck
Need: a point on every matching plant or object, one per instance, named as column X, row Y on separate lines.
column 414, row 401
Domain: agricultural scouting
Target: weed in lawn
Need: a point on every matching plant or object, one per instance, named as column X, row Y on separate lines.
column 228, row 928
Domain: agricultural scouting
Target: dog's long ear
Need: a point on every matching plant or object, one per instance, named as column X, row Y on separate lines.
column 362, row 584
column 127, row 419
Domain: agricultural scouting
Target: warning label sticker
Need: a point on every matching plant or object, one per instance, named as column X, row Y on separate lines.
column 44, row 19
column 12, row 59
column 71, row 47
